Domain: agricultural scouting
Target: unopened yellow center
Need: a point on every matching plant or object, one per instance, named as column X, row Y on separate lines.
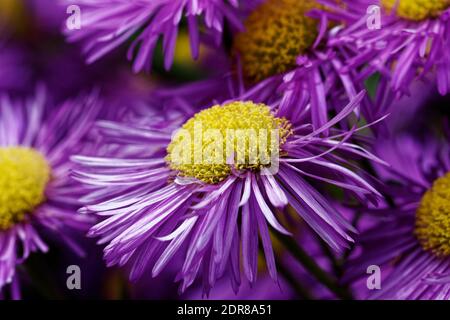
column 241, row 135
column 416, row 10
column 275, row 34
column 24, row 174
column 433, row 218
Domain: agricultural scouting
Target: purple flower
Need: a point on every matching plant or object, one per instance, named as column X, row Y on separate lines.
column 107, row 24
column 37, row 194
column 411, row 42
column 410, row 242
column 283, row 50
column 156, row 204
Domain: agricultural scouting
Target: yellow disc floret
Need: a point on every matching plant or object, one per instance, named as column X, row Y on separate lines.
column 433, row 218
column 416, row 10
column 275, row 33
column 24, row 174
column 239, row 135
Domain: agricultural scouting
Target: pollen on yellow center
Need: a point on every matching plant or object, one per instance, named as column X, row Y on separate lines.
column 24, row 174
column 433, row 218
column 240, row 135
column 416, row 10
column 275, row 33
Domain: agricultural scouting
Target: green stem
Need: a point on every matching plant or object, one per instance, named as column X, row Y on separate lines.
column 311, row 266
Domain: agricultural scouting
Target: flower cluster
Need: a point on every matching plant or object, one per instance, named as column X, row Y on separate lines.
column 264, row 143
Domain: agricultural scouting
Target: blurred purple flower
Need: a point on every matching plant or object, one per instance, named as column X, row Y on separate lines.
column 153, row 210
column 38, row 195
column 411, row 241
column 283, row 50
column 412, row 41
column 107, row 24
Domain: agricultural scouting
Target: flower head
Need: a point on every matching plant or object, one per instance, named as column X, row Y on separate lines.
column 412, row 239
column 199, row 189
column 25, row 174
column 241, row 118
column 276, row 33
column 411, row 42
column 283, row 49
column 36, row 192
column 416, row 10
column 432, row 226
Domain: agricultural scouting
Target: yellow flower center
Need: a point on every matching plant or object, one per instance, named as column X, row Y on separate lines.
column 24, row 174
column 416, row 10
column 240, row 135
column 277, row 32
column 433, row 218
